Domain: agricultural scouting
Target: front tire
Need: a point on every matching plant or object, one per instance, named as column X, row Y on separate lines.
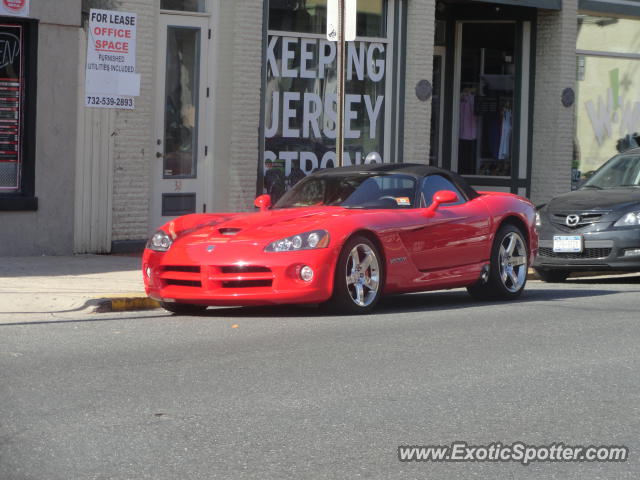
column 358, row 277
column 183, row 308
column 508, row 268
column 552, row 276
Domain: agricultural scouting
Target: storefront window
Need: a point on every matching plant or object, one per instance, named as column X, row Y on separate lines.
column 487, row 89
column 300, row 95
column 607, row 87
column 183, row 5
column 17, row 115
column 11, row 107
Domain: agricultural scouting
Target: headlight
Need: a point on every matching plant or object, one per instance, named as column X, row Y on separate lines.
column 538, row 220
column 631, row 219
column 303, row 241
column 160, row 242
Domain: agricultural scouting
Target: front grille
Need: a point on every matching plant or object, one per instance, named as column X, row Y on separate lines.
column 181, row 275
column 212, row 277
column 587, row 253
column 182, row 268
column 183, row 283
column 244, row 269
column 246, row 283
column 586, row 219
column 241, row 276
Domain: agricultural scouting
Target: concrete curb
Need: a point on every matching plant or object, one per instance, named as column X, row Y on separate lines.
column 125, row 304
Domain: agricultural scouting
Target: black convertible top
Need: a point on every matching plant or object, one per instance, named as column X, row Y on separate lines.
column 417, row 170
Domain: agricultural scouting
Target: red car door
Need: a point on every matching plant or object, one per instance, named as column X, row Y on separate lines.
column 458, row 234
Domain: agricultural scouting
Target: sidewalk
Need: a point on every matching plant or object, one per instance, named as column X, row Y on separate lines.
column 57, row 286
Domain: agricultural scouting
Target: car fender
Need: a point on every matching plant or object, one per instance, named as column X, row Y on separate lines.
column 503, row 206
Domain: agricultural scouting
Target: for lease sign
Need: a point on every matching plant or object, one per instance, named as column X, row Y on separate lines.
column 111, row 59
column 18, row 8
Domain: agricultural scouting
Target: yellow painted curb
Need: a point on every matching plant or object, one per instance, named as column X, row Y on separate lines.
column 125, row 304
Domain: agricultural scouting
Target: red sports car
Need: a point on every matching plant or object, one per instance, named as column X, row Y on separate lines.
column 344, row 237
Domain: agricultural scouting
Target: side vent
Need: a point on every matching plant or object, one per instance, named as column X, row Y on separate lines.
column 229, row 231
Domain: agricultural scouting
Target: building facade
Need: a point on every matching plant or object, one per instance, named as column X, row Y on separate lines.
column 237, row 98
column 39, row 55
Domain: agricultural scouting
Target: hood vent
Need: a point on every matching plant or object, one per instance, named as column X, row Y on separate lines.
column 229, row 231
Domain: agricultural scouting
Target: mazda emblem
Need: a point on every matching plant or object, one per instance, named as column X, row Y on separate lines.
column 211, row 248
column 572, row 220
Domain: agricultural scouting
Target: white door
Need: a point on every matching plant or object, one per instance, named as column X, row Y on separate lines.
column 183, row 159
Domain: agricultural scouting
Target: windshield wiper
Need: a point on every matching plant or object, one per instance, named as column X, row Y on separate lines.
column 592, row 186
column 629, row 185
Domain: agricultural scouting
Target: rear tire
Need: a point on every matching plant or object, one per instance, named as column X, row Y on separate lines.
column 358, row 277
column 508, row 267
column 183, row 308
column 553, row 276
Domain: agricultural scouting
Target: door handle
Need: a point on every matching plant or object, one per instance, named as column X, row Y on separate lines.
column 159, row 155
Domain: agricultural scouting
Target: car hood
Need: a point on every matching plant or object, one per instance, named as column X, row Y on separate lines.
column 612, row 199
column 263, row 226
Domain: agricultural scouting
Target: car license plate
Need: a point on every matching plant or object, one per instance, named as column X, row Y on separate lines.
column 567, row 243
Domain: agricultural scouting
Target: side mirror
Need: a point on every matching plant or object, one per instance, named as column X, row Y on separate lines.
column 263, row 202
column 439, row 198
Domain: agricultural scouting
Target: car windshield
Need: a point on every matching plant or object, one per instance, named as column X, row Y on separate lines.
column 352, row 190
column 620, row 171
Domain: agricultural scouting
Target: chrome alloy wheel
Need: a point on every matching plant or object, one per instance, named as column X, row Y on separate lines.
column 513, row 262
column 363, row 275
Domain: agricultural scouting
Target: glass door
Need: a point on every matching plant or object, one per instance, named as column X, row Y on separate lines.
column 182, row 161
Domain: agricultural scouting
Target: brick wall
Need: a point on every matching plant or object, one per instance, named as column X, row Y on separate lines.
column 134, row 132
column 244, row 93
column 553, row 124
column 419, row 65
column 236, row 89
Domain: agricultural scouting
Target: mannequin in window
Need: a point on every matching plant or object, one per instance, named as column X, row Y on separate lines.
column 468, row 132
column 505, row 132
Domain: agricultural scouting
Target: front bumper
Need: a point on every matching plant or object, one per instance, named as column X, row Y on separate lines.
column 603, row 250
column 233, row 275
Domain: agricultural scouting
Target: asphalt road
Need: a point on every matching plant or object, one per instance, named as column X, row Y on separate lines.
column 285, row 393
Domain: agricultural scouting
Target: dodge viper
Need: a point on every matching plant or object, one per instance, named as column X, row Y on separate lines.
column 596, row 227
column 343, row 237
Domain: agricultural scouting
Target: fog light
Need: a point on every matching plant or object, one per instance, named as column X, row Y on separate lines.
column 632, row 252
column 306, row 273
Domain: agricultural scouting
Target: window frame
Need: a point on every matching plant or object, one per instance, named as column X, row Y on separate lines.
column 24, row 199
